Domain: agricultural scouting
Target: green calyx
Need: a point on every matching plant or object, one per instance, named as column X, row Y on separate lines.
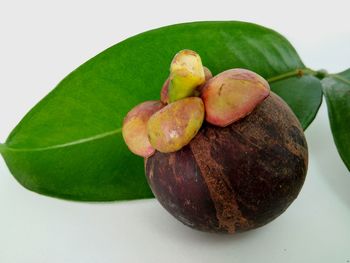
column 186, row 73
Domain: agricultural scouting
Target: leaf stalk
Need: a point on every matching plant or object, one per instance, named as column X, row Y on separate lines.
column 320, row 74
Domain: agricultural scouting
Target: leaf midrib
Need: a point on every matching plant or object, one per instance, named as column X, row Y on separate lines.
column 3, row 147
column 63, row 145
column 340, row 78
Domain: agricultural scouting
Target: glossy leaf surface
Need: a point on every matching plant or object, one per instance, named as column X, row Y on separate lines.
column 70, row 145
column 336, row 89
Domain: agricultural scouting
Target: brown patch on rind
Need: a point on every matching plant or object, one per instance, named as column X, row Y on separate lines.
column 178, row 185
column 265, row 164
column 294, row 133
column 227, row 210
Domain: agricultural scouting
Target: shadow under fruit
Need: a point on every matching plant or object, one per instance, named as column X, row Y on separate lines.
column 235, row 178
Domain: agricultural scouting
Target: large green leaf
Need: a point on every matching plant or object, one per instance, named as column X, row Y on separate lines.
column 70, row 144
column 336, row 89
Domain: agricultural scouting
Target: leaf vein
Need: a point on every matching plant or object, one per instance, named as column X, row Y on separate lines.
column 340, row 78
column 68, row 144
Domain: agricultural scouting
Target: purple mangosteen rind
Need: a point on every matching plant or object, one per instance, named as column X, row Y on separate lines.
column 235, row 178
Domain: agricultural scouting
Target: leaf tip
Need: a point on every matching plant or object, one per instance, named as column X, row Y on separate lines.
column 2, row 148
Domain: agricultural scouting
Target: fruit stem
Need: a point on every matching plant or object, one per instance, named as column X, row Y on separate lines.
column 320, row 74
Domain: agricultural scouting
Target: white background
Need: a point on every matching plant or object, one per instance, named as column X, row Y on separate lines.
column 41, row 42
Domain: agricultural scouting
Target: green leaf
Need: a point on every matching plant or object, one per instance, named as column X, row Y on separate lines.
column 303, row 95
column 336, row 89
column 70, row 146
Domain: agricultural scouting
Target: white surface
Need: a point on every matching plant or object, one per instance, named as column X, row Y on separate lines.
column 41, row 42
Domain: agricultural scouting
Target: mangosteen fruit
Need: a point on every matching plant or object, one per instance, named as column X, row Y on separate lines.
column 235, row 178
column 222, row 154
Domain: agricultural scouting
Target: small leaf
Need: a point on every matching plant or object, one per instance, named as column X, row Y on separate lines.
column 70, row 144
column 336, row 89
